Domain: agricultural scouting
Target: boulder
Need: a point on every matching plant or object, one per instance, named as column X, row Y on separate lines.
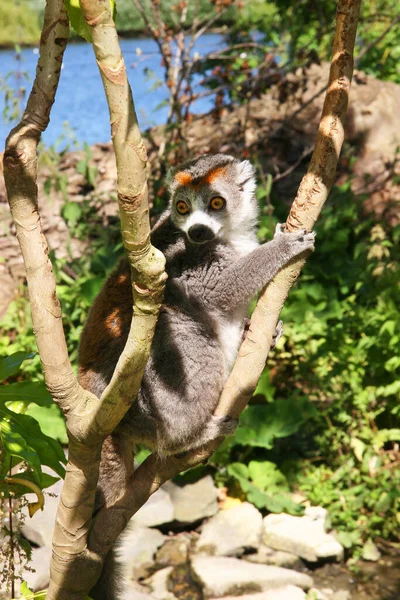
column 158, row 510
column 134, row 591
column 288, row 592
column 223, row 576
column 174, row 552
column 195, row 501
column 39, row 578
column 231, row 531
column 159, row 585
column 279, row 558
column 304, row 536
column 139, row 545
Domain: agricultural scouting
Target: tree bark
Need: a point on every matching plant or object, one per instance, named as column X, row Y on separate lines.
column 80, row 543
column 74, row 568
column 311, row 196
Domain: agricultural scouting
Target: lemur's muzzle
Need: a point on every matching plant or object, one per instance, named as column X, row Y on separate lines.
column 199, row 234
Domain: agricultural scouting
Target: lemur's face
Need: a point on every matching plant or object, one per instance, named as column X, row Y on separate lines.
column 213, row 197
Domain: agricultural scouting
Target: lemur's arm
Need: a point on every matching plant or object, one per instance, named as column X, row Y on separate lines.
column 243, row 279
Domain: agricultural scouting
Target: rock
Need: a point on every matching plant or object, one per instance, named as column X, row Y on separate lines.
column 288, row 592
column 40, row 579
column 315, row 594
column 39, row 528
column 139, row 546
column 342, row 595
column 279, row 558
column 370, row 551
column 304, row 536
column 157, row 510
column 134, row 591
column 174, row 552
column 195, row 501
column 223, row 576
column 159, row 585
column 231, row 531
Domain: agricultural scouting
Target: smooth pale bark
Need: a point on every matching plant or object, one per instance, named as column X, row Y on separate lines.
column 75, row 567
column 311, row 196
column 88, row 419
column 80, row 544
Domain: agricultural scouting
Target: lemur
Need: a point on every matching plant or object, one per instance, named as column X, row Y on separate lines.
column 215, row 266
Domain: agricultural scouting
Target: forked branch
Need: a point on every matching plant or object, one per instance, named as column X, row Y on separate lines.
column 311, row 196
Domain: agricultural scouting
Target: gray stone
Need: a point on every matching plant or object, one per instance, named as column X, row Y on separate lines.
column 315, row 594
column 231, row 531
column 304, row 536
column 279, row 558
column 342, row 595
column 139, row 545
column 195, row 501
column 134, row 591
column 39, row 528
column 174, row 552
column 159, row 585
column 288, row 592
column 157, row 510
column 40, row 579
column 223, row 576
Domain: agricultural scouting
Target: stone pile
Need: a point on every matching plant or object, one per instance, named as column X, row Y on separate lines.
column 181, row 538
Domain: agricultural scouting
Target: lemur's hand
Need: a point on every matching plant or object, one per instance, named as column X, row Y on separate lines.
column 294, row 243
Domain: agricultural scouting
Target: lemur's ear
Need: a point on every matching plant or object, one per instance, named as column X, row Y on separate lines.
column 246, row 177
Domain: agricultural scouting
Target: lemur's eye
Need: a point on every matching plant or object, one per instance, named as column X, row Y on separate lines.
column 217, row 203
column 182, row 208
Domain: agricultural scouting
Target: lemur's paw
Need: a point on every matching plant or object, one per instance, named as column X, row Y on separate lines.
column 296, row 241
column 278, row 334
column 225, row 425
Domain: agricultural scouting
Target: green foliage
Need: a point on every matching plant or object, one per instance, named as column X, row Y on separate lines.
column 265, row 486
column 77, row 19
column 19, row 23
column 303, row 30
column 21, row 439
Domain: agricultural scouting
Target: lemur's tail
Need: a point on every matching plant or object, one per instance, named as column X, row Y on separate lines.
column 109, row 583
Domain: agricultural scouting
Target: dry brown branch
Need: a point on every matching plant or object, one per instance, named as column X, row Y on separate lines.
column 312, row 194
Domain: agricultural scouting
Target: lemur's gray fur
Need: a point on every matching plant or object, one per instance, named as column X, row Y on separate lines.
column 215, row 266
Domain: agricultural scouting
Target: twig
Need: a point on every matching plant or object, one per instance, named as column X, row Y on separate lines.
column 290, row 169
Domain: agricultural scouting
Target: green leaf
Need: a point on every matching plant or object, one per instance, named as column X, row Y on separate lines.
column 77, row 19
column 275, row 503
column 22, row 437
column 266, row 475
column 10, row 365
column 27, row 594
column 15, row 445
column 51, row 421
column 72, row 212
column 261, row 424
column 26, row 392
column 46, row 480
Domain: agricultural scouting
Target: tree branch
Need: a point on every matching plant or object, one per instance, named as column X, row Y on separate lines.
column 311, row 196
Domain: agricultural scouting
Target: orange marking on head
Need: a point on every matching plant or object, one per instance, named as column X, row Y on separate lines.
column 114, row 323
column 183, row 178
column 214, row 174
column 122, row 278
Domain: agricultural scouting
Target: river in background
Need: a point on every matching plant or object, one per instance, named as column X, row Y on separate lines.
column 80, row 99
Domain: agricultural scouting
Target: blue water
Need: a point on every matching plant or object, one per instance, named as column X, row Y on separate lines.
column 80, row 99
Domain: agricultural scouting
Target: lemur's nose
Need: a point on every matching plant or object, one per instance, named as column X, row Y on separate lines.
column 200, row 234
